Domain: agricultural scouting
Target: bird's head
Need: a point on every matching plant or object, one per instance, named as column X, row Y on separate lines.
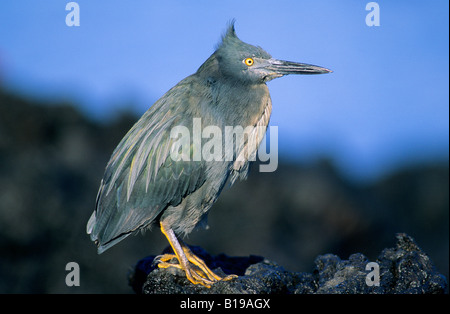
column 251, row 64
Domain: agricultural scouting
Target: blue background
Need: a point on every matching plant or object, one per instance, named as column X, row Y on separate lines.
column 385, row 106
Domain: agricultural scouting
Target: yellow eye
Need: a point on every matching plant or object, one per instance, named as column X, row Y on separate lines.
column 249, row 61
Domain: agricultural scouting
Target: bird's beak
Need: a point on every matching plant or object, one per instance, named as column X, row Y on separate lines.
column 281, row 68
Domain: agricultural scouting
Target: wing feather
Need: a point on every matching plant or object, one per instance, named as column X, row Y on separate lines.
column 142, row 175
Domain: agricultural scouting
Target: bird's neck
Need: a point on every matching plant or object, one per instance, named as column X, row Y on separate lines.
column 238, row 104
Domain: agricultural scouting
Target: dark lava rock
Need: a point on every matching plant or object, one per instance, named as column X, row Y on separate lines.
column 404, row 269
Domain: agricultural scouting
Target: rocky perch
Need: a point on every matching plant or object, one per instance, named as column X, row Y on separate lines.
column 404, row 269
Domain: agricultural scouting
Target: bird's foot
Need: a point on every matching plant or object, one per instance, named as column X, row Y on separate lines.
column 197, row 273
column 197, row 261
column 194, row 267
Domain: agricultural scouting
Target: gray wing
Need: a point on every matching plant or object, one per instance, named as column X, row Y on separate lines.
column 141, row 179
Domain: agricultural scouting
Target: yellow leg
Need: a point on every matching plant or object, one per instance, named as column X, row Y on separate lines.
column 200, row 274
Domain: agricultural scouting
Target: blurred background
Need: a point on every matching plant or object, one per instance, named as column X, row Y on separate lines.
column 363, row 151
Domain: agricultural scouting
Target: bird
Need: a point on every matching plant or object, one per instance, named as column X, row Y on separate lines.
column 144, row 185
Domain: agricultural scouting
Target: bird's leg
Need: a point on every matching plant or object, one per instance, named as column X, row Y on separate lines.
column 203, row 275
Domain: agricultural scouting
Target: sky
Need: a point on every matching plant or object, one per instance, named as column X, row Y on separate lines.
column 386, row 105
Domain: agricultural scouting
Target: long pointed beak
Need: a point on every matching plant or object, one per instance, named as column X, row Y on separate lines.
column 288, row 67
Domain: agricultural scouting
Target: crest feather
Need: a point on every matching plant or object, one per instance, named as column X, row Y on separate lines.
column 229, row 35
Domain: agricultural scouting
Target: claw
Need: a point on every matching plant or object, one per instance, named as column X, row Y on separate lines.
column 164, row 257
